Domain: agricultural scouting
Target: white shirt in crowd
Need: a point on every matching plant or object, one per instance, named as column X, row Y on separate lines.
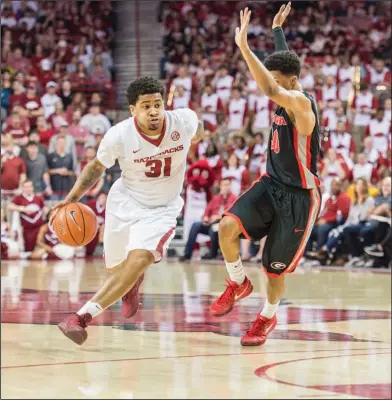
column 95, row 122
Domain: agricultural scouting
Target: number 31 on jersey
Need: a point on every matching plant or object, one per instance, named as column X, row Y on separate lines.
column 159, row 167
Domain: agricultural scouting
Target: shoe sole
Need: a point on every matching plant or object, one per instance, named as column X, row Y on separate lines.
column 245, row 294
column 77, row 336
column 260, row 344
column 137, row 307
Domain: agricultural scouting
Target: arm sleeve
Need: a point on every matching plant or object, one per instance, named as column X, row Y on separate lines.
column 108, row 150
column 344, row 206
column 189, row 120
column 280, row 40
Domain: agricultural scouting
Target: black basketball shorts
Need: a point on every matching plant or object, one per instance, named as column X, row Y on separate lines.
column 285, row 214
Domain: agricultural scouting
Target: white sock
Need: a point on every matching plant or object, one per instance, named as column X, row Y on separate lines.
column 269, row 309
column 236, row 271
column 93, row 309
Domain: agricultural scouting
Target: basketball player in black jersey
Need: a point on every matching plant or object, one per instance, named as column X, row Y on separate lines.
column 285, row 202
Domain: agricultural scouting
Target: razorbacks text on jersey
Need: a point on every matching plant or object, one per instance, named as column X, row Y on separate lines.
column 152, row 168
column 292, row 158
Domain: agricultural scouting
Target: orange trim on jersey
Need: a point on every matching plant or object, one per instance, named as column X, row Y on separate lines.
column 156, row 142
column 300, row 166
column 239, row 222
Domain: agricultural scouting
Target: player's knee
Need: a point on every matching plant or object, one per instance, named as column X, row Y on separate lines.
column 140, row 260
column 228, row 228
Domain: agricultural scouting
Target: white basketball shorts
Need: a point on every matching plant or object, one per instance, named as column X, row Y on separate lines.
column 131, row 226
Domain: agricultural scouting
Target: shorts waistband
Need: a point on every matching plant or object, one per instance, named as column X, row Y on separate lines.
column 289, row 189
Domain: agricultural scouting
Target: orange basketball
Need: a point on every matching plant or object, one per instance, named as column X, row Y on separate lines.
column 75, row 224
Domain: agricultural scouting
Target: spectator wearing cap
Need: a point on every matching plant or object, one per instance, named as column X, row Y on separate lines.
column 50, row 98
column 31, row 106
column 95, row 118
column 69, row 146
column 61, row 167
column 37, row 169
column 80, row 133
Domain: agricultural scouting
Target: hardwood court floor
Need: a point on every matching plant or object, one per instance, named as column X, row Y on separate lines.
column 333, row 338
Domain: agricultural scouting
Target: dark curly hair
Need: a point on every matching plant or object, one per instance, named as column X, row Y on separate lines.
column 144, row 85
column 286, row 62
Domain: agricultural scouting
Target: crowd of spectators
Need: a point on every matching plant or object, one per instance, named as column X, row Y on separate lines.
column 345, row 53
column 57, row 80
column 56, row 74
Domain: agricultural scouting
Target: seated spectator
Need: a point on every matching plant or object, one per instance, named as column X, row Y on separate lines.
column 342, row 142
column 335, row 213
column 210, row 222
column 240, row 148
column 80, row 133
column 48, row 246
column 17, row 127
column 90, row 154
column 13, row 170
column 66, row 94
column 37, row 169
column 363, row 169
column 31, row 211
column 237, row 173
column 381, row 251
column 43, row 71
column 94, row 118
column 60, row 164
column 9, row 246
column 8, row 18
column 50, row 98
column 99, row 76
column 357, row 239
column 183, row 79
column 31, row 106
column 59, row 117
column 98, row 205
column 356, row 220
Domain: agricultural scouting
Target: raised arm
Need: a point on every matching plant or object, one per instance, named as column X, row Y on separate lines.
column 293, row 100
column 279, row 38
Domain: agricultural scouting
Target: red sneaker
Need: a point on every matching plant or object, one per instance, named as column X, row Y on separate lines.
column 130, row 302
column 233, row 293
column 74, row 327
column 259, row 330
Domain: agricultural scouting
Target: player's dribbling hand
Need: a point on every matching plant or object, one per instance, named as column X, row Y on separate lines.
column 55, row 209
column 241, row 34
column 281, row 15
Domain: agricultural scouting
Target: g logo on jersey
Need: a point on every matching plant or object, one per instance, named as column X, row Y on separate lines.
column 175, row 136
column 278, row 265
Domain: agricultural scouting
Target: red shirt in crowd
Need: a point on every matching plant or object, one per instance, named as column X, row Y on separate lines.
column 219, row 204
column 11, row 170
column 341, row 202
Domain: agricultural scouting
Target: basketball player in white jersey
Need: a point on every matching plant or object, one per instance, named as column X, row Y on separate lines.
column 143, row 205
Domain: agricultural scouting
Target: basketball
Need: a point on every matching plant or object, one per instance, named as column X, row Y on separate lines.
column 75, row 224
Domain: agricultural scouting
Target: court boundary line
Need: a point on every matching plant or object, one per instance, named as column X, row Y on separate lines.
column 194, row 356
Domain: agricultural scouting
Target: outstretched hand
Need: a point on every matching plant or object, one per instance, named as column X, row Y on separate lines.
column 281, row 15
column 241, row 34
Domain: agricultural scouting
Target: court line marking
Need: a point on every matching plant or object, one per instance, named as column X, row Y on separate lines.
column 192, row 356
column 262, row 371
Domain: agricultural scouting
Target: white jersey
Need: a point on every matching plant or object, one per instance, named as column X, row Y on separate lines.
column 152, row 169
